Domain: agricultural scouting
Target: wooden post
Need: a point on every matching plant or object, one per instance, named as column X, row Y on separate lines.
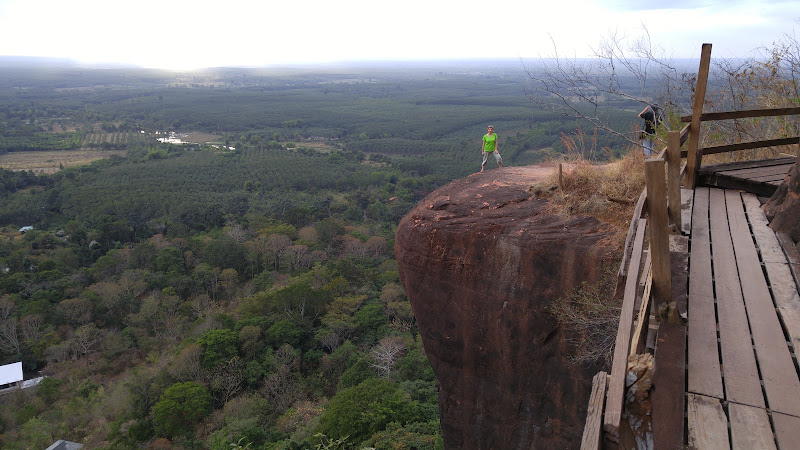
column 659, row 231
column 560, row 177
column 693, row 158
column 674, row 178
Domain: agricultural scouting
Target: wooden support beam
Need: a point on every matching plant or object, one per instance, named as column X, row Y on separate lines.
column 659, row 231
column 674, row 178
column 694, row 156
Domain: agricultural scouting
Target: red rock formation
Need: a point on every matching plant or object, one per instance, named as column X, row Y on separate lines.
column 481, row 260
column 783, row 209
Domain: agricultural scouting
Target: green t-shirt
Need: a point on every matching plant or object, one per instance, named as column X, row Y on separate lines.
column 489, row 142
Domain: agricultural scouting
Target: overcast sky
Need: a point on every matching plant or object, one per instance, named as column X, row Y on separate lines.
column 184, row 34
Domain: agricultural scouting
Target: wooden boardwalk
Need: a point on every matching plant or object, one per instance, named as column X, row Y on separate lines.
column 761, row 177
column 718, row 303
column 743, row 387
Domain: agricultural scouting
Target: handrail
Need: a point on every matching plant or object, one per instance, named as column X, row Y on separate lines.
column 746, row 145
column 652, row 202
column 745, row 113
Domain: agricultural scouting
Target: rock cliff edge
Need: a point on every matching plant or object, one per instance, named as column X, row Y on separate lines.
column 481, row 260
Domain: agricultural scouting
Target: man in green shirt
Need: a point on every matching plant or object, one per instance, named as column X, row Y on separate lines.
column 490, row 146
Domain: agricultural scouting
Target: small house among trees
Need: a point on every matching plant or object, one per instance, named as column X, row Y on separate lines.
column 10, row 375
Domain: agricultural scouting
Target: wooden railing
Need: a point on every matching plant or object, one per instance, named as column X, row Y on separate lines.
column 646, row 276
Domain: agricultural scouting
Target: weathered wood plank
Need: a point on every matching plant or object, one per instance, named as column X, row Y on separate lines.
column 708, row 425
column 753, row 163
column 742, row 384
column 639, row 338
column 674, row 177
column 704, row 368
column 637, row 214
column 679, row 265
column 644, row 278
column 592, row 430
column 741, row 114
column 750, row 427
column 761, row 171
column 687, row 197
column 787, row 431
column 750, row 145
column 694, row 154
column 659, row 231
column 616, row 385
column 792, row 255
column 668, row 386
column 714, row 179
column 774, row 358
column 782, row 283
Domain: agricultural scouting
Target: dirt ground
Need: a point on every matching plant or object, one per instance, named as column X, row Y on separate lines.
column 50, row 161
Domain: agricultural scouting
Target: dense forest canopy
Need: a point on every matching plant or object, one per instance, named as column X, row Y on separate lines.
column 241, row 289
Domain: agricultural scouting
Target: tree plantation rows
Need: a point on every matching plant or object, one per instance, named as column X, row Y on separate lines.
column 242, row 295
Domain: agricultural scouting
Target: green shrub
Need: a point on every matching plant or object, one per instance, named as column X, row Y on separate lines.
column 181, row 407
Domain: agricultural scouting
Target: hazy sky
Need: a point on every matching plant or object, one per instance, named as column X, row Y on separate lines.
column 182, row 34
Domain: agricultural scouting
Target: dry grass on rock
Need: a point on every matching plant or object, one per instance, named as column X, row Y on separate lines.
column 607, row 192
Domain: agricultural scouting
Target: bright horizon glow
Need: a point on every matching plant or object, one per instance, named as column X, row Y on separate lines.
column 182, row 34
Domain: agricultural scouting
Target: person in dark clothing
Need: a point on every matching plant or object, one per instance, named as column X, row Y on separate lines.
column 650, row 116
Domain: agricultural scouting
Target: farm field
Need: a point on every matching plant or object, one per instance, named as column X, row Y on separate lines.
column 51, row 161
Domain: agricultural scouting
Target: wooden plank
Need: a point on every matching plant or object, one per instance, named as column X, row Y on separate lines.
column 768, row 244
column 687, row 196
column 659, row 231
column 792, row 255
column 694, row 154
column 713, row 179
column 742, row 384
column 749, row 164
column 778, row 268
column 616, row 384
column 668, row 386
column 679, row 266
column 774, row 358
column 637, row 214
column 674, row 177
column 787, row 431
column 773, row 179
column 750, row 427
column 705, row 376
column 643, row 280
column 741, row 114
column 708, row 425
column 639, row 338
column 592, row 431
column 779, row 169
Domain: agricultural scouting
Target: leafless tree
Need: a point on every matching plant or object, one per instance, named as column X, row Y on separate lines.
column 31, row 326
column 6, row 307
column 85, row 340
column 386, row 354
column 226, row 380
column 623, row 68
column 9, row 337
column 187, row 364
column 276, row 245
column 330, row 341
column 281, row 383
